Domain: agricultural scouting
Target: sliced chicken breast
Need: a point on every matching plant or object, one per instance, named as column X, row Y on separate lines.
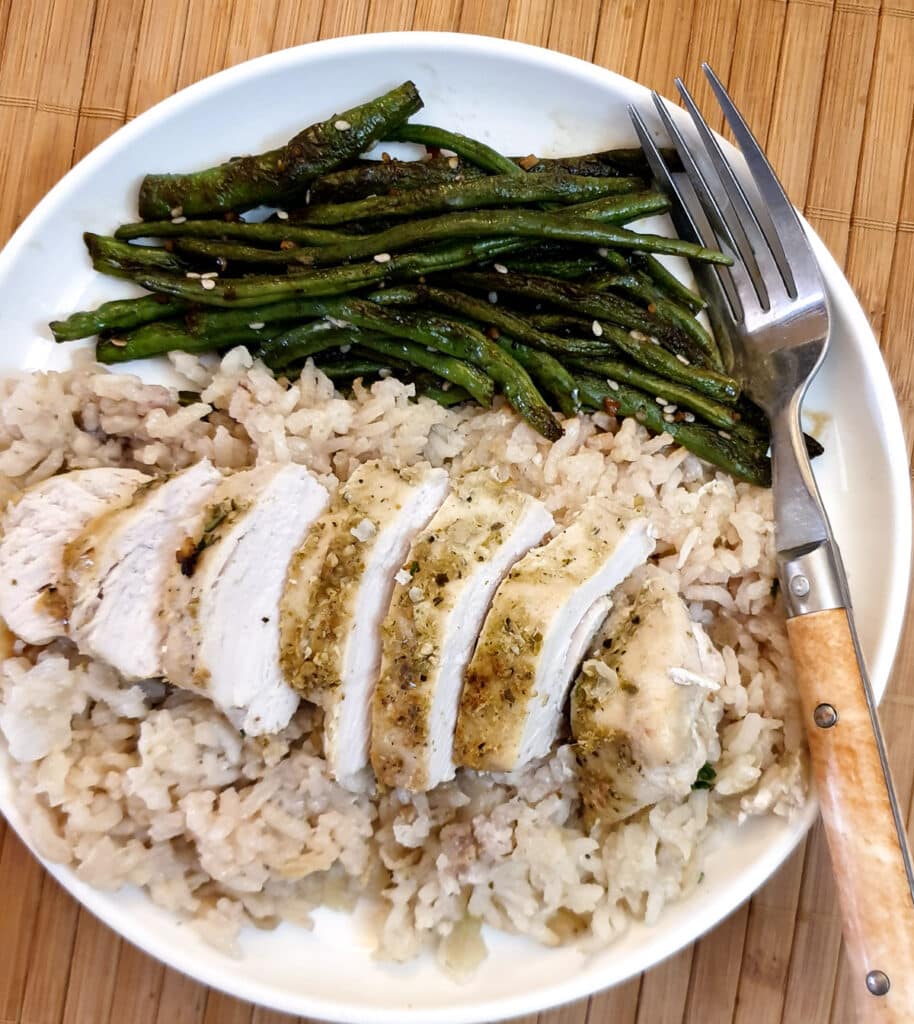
column 37, row 529
column 642, row 711
column 337, row 595
column 119, row 566
column 439, row 603
column 224, row 596
column 541, row 623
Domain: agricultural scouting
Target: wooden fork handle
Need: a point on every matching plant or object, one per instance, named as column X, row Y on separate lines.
column 866, row 851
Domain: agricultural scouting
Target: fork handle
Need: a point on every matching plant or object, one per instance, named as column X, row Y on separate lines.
column 866, row 849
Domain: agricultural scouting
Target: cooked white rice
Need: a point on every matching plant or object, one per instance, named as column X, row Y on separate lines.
column 144, row 785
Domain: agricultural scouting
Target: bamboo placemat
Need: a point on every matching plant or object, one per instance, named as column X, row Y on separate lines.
column 829, row 86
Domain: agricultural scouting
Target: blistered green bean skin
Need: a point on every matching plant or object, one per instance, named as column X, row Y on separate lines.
column 274, row 176
column 732, row 454
column 119, row 315
column 467, row 276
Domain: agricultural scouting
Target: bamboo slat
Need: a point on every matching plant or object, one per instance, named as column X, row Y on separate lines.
column 251, row 30
column 839, row 131
column 182, row 1001
column 106, row 91
column 437, row 15
column 620, row 36
column 827, row 86
column 295, row 23
column 528, row 21
column 21, row 880
column 262, row 1016
column 344, row 18
column 716, row 970
column 577, row 35
column 767, row 945
column 881, row 174
column 158, row 54
column 137, row 987
column 485, row 19
column 711, row 40
column 804, row 45
column 50, row 956
column 756, row 60
column 665, row 989
column 93, row 965
column 816, row 938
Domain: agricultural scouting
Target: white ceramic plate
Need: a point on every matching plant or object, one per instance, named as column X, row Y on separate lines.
column 522, row 100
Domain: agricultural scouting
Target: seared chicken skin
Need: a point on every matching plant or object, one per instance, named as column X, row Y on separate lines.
column 337, row 595
column 441, row 598
column 36, row 531
column 118, row 569
column 642, row 710
column 542, row 620
column 225, row 590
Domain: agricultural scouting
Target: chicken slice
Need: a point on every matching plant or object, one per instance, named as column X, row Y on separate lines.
column 438, row 606
column 337, row 595
column 37, row 529
column 118, row 569
column 642, row 711
column 542, row 621
column 224, row 596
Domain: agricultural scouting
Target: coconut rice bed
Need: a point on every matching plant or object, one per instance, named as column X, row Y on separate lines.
column 147, row 785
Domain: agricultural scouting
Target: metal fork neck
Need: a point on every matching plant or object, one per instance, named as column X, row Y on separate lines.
column 812, row 576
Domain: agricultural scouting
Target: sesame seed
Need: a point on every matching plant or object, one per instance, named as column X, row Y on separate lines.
column 193, row 275
column 602, row 251
column 208, row 284
column 446, row 385
column 178, row 220
column 345, row 348
column 689, row 417
column 597, row 329
column 499, row 268
column 382, row 257
column 637, row 335
column 118, row 342
column 282, row 214
column 724, row 434
column 668, row 417
column 453, row 162
column 258, row 325
column 669, row 409
column 682, row 359
column 336, row 322
column 341, row 125
column 493, row 297
column 209, row 275
column 613, row 385
column 176, row 211
column 659, row 400
column 308, row 197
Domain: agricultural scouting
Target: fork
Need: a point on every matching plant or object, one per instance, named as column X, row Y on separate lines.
column 770, row 312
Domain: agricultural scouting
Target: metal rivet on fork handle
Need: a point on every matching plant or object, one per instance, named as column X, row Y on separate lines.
column 799, row 586
column 877, row 982
column 825, row 716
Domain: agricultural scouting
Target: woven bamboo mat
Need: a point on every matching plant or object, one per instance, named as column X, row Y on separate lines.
column 829, row 86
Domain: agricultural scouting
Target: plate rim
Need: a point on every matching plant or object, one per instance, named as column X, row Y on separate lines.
column 98, row 902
